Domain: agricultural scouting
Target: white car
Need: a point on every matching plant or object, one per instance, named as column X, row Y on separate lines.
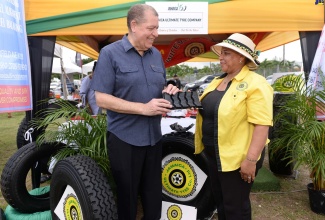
column 269, row 79
column 55, row 86
column 202, row 88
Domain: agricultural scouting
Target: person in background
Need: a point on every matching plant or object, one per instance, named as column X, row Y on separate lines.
column 232, row 128
column 9, row 115
column 177, row 81
column 129, row 82
column 76, row 95
column 87, row 94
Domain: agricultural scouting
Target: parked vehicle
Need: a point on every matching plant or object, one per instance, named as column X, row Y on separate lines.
column 196, row 84
column 269, row 79
column 202, row 88
column 204, row 85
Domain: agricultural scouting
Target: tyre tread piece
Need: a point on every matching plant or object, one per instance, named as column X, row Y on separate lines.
column 196, row 101
column 190, row 101
column 183, row 100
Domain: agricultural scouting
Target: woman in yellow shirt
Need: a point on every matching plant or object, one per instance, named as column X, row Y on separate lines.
column 232, row 128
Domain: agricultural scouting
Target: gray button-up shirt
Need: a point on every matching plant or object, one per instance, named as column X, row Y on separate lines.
column 123, row 73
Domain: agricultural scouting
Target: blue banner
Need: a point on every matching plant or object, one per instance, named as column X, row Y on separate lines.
column 15, row 77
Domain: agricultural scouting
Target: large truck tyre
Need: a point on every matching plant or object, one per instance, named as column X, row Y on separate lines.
column 14, row 174
column 93, row 198
column 181, row 173
column 20, row 137
column 13, row 214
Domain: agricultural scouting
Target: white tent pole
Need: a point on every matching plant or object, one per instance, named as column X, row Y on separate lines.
column 63, row 77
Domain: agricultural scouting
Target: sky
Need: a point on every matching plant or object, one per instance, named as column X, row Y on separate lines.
column 292, row 53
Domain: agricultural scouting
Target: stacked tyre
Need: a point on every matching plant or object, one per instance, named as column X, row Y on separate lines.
column 182, row 174
column 81, row 173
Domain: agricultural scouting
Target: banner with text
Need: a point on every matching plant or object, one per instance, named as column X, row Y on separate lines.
column 15, row 77
column 182, row 17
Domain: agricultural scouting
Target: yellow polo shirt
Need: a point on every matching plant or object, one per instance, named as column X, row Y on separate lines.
column 248, row 101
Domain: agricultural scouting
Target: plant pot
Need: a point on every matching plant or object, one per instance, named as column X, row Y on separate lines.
column 316, row 199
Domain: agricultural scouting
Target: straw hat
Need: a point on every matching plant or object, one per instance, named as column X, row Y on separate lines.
column 241, row 44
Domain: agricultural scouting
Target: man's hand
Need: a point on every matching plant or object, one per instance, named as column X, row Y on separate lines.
column 171, row 90
column 157, row 107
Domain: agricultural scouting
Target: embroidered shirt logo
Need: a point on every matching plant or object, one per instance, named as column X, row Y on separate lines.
column 242, row 86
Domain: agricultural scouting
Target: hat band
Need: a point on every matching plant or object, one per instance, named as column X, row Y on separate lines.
column 254, row 54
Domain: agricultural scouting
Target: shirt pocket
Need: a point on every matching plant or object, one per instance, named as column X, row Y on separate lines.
column 158, row 76
column 127, row 74
column 129, row 69
column 157, row 69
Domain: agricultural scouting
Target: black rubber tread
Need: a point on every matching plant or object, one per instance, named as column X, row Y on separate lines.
column 183, row 100
column 2, row 215
column 14, row 174
column 183, row 143
column 90, row 184
column 20, row 137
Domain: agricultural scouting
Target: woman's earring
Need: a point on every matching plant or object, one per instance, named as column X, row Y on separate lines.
column 240, row 61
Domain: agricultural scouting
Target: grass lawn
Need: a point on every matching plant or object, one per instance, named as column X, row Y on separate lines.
column 8, row 132
column 291, row 202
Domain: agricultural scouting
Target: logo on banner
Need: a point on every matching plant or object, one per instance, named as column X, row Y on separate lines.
column 194, row 49
column 319, row 2
column 180, row 7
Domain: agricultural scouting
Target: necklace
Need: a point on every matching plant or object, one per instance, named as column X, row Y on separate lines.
column 226, row 81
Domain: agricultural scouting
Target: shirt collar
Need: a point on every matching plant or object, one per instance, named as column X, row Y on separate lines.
column 128, row 46
column 242, row 74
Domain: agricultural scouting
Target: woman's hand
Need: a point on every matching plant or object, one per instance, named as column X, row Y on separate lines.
column 247, row 170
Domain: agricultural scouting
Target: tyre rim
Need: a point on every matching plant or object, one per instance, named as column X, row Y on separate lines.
column 182, row 179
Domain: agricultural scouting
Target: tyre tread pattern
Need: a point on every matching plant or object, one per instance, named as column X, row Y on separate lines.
column 94, row 181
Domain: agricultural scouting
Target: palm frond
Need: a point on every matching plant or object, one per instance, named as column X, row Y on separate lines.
column 81, row 132
column 302, row 136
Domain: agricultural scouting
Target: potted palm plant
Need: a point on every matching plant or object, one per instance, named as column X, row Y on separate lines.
column 302, row 136
column 82, row 133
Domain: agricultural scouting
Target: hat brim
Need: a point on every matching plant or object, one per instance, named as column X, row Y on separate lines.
column 217, row 50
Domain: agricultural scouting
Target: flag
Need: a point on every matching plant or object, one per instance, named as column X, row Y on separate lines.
column 317, row 71
column 78, row 59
